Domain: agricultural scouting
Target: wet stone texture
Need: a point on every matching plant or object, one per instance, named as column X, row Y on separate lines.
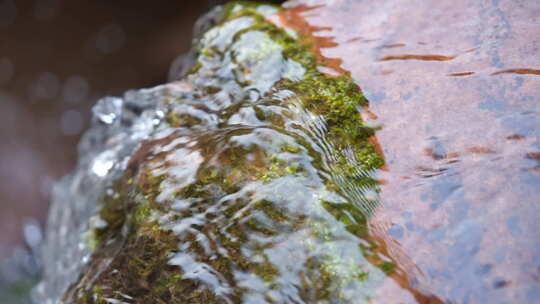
column 248, row 181
column 263, row 175
column 455, row 87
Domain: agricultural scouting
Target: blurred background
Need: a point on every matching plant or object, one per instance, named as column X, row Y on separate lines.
column 57, row 57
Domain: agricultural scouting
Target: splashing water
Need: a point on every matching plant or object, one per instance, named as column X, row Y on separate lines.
column 250, row 180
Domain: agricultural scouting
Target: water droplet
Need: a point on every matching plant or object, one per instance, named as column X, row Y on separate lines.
column 103, row 163
column 32, row 233
column 108, row 109
column 96, row 222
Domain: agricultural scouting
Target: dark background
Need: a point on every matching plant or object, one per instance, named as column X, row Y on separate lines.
column 57, row 57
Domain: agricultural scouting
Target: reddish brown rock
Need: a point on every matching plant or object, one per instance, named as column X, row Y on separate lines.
column 455, row 87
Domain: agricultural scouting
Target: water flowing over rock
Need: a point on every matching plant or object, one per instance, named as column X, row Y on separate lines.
column 261, row 176
column 249, row 180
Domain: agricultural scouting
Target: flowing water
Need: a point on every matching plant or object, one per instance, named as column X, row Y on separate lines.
column 232, row 186
column 224, row 186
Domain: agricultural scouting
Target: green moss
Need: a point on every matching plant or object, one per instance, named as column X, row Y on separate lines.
column 291, row 148
column 91, row 239
column 278, row 168
column 144, row 262
column 97, row 295
column 235, row 9
column 142, row 268
column 196, row 67
column 142, row 212
column 149, row 184
column 337, row 99
column 387, row 267
column 176, row 120
column 368, row 157
column 259, row 113
column 266, row 271
column 113, row 214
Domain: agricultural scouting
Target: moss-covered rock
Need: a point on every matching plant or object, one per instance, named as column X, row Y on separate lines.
column 252, row 185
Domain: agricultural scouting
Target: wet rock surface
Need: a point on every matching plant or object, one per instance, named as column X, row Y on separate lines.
column 455, row 87
column 249, row 180
column 263, row 177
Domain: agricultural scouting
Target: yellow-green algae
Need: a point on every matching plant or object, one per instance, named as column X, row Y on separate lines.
column 136, row 245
